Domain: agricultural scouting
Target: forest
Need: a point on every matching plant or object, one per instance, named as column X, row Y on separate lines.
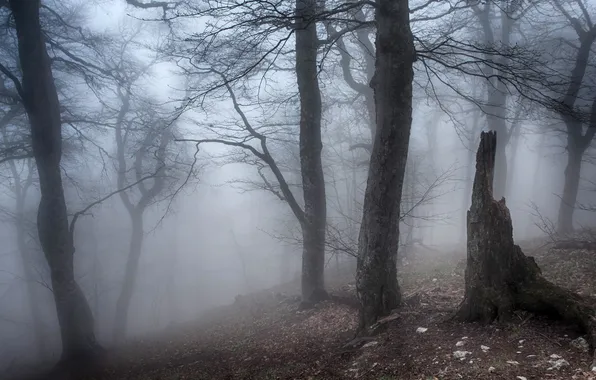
column 308, row 189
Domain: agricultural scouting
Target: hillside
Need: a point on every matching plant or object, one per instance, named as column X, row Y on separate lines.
column 267, row 336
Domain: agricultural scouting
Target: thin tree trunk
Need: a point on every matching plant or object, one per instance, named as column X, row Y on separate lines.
column 311, row 146
column 376, row 278
column 43, row 108
column 570, row 188
column 30, row 275
column 20, row 190
column 130, row 277
column 500, row 176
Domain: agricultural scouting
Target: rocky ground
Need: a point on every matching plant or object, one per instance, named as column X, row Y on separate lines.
column 267, row 336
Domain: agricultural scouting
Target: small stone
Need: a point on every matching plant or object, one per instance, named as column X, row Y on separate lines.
column 557, row 364
column 522, row 378
column 421, row 330
column 485, row 348
column 461, row 355
column 521, row 341
column 581, row 344
column 491, row 369
column 434, row 280
column 594, row 368
column 459, row 344
column 370, row 344
column 512, row 362
column 555, row 356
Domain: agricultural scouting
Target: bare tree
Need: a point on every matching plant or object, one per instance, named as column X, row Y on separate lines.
column 578, row 140
column 38, row 91
column 377, row 285
column 22, row 180
column 311, row 146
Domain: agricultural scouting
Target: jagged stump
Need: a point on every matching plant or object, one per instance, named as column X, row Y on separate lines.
column 499, row 278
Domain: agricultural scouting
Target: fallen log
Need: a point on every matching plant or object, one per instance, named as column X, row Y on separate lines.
column 575, row 244
column 499, row 278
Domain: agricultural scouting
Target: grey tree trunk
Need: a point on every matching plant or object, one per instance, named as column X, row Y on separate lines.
column 499, row 278
column 376, row 278
column 43, row 109
column 27, row 259
column 130, row 276
column 311, row 146
column 571, row 186
column 20, row 189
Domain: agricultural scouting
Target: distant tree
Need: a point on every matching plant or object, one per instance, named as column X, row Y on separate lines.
column 573, row 109
column 21, row 184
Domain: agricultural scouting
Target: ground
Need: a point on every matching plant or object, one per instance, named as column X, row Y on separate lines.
column 267, row 336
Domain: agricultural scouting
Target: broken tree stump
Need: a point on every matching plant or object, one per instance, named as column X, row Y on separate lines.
column 499, row 278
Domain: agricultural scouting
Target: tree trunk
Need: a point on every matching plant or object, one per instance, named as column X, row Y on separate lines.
column 20, row 189
column 43, row 109
column 30, row 276
column 571, row 186
column 130, row 277
column 311, row 146
column 500, row 170
column 376, row 277
column 499, row 277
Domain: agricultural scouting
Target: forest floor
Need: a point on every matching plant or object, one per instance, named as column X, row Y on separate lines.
column 266, row 335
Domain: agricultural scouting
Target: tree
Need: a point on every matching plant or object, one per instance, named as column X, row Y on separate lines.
column 499, row 278
column 376, row 277
column 311, row 146
column 39, row 95
column 22, row 180
column 156, row 136
column 508, row 14
column 578, row 140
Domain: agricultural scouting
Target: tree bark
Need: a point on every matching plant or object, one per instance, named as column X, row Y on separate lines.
column 376, row 278
column 499, row 277
column 130, row 277
column 311, row 146
column 575, row 152
column 43, row 109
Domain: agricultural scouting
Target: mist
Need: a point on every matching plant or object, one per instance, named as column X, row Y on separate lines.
column 195, row 171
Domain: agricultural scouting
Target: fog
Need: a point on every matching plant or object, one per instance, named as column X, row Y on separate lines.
column 220, row 226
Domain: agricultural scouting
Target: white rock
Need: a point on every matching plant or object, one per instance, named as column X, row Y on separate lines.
column 555, row 356
column 518, row 352
column 434, row 280
column 521, row 378
column 485, row 348
column 521, row 341
column 421, row 330
column 459, row 344
column 370, row 344
column 581, row 344
column 461, row 355
column 512, row 362
column 557, row 364
column 491, row 369
column 464, row 338
column 594, row 369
